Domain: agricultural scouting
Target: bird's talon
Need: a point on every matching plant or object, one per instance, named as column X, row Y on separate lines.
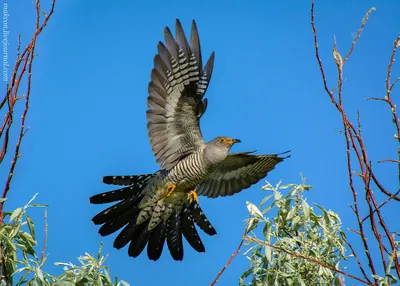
column 170, row 190
column 192, row 195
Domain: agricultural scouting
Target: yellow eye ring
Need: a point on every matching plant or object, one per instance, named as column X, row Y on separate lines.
column 222, row 140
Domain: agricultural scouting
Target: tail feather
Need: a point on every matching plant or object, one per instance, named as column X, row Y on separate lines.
column 174, row 237
column 127, row 180
column 139, row 241
column 171, row 225
column 201, row 220
column 113, row 196
column 190, row 232
column 113, row 211
column 126, row 234
column 115, row 224
column 156, row 242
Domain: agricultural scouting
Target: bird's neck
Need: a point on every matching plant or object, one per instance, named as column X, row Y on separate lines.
column 213, row 156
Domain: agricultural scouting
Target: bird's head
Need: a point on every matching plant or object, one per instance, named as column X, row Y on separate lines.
column 225, row 142
column 222, row 144
column 218, row 148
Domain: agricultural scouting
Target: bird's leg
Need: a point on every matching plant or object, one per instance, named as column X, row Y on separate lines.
column 170, row 190
column 192, row 195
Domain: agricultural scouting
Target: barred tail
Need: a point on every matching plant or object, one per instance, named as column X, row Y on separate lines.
column 120, row 214
column 183, row 223
column 126, row 212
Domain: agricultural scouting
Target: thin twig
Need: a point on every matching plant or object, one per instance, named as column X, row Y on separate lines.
column 28, row 55
column 381, row 205
column 44, row 237
column 358, row 260
column 355, row 142
column 235, row 253
column 390, row 86
column 389, row 160
column 364, row 21
column 22, row 69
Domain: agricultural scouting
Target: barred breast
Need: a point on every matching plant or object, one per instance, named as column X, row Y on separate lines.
column 190, row 171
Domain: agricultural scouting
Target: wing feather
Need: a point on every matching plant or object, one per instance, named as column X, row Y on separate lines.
column 195, row 46
column 237, row 172
column 175, row 102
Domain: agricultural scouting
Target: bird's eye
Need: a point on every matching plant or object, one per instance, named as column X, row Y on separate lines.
column 222, row 140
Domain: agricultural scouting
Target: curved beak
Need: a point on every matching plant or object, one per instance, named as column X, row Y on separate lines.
column 234, row 141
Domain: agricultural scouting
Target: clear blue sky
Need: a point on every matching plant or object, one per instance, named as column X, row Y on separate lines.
column 87, row 116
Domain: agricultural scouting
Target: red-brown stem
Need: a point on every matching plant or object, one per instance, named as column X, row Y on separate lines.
column 358, row 260
column 26, row 57
column 381, row 205
column 23, row 64
column 234, row 254
column 358, row 34
column 390, row 86
column 44, row 237
column 355, row 142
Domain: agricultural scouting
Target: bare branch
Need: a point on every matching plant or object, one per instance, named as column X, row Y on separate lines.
column 26, row 59
column 22, row 70
column 355, row 145
column 364, row 21
column 46, row 226
column 235, row 253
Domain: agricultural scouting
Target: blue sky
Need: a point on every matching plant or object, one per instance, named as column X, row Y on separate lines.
column 87, row 116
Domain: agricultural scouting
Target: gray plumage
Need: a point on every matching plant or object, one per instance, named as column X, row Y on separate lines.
column 177, row 87
column 162, row 206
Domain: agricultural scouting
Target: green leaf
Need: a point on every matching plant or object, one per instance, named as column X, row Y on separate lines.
column 15, row 214
column 289, row 267
column 282, row 187
column 39, row 274
column 64, row 283
column 393, row 279
column 5, row 239
column 28, row 237
column 19, row 270
column 246, row 274
column 296, row 220
column 22, row 280
column 291, row 213
column 31, row 226
column 306, row 209
column 268, row 208
column 254, row 210
column 268, row 253
column 277, row 196
column 265, row 200
column 39, row 205
column 294, row 226
column 28, row 241
column 253, row 223
column 267, row 231
column 307, row 187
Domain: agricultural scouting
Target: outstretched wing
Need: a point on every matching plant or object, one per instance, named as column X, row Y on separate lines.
column 176, row 90
column 237, row 172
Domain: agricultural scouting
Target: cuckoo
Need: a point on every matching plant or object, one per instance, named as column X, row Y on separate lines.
column 159, row 207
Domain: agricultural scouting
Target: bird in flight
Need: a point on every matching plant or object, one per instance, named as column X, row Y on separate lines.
column 159, row 207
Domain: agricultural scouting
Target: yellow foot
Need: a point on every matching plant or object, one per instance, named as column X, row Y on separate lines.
column 170, row 190
column 192, row 195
